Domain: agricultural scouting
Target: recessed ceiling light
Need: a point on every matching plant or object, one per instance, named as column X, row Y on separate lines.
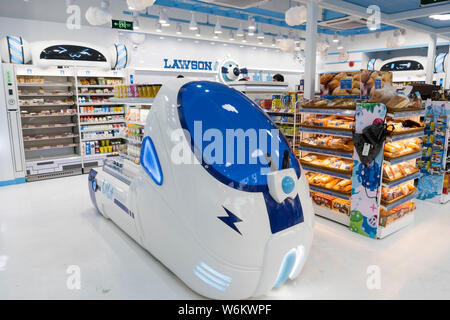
column 260, row 34
column 158, row 27
column 163, row 19
column 280, row 36
column 178, row 29
column 135, row 24
column 218, row 28
column 231, row 35
column 335, row 38
column 252, row 24
column 441, row 16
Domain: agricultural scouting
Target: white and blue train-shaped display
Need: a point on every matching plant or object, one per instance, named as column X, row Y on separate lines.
column 14, row 49
column 229, row 229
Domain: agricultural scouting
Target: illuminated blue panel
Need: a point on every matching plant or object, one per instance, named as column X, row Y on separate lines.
column 286, row 267
column 150, row 161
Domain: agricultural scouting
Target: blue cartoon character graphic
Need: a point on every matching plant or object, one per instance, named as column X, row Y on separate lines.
column 369, row 225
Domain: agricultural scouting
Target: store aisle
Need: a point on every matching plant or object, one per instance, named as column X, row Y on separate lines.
column 47, row 226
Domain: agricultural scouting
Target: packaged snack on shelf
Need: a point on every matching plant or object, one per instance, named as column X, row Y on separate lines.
column 446, row 188
column 345, row 185
column 343, row 104
column 309, row 158
column 399, row 101
column 286, row 102
column 294, row 97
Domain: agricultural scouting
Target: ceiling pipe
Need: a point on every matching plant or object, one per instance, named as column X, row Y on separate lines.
column 261, row 15
column 205, row 24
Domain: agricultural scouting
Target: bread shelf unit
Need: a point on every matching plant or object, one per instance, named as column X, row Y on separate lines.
column 324, row 205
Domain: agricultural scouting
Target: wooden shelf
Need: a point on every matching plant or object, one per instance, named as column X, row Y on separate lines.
column 60, row 137
column 72, row 145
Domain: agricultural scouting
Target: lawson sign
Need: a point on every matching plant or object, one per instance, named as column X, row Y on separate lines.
column 183, row 64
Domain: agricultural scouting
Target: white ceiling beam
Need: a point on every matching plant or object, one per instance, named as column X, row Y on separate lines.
column 419, row 13
column 360, row 11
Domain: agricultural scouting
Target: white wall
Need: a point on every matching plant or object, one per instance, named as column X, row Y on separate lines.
column 147, row 59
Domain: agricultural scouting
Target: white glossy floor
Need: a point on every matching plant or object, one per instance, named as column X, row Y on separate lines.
column 47, row 226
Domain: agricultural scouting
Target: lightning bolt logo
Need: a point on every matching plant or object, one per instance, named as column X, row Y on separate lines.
column 230, row 220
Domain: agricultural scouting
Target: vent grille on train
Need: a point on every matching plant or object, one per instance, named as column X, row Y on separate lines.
column 53, row 175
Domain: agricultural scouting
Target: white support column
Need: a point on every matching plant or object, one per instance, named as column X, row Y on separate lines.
column 311, row 48
column 431, row 56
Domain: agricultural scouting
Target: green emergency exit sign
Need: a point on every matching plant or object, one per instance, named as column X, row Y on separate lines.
column 122, row 24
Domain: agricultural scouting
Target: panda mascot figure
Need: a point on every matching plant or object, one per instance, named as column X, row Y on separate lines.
column 219, row 197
